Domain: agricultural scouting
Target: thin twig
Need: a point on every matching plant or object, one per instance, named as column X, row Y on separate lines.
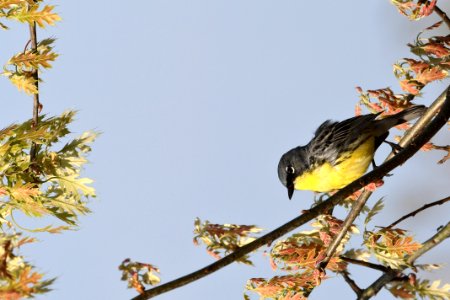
column 408, row 151
column 365, row 264
column 36, row 103
column 361, row 201
column 443, row 15
column 351, row 283
column 412, row 214
column 384, row 279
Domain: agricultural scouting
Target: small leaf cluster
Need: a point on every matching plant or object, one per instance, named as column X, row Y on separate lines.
column 51, row 184
column 415, row 9
column 18, row 278
column 391, row 247
column 287, row 287
column 21, row 69
column 138, row 274
column 299, row 255
column 28, row 11
column 413, row 289
column 224, row 239
column 432, row 63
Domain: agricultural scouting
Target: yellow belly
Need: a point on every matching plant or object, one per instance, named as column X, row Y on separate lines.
column 327, row 177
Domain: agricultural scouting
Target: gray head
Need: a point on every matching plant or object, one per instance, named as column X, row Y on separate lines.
column 292, row 164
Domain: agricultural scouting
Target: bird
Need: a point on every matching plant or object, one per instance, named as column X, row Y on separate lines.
column 339, row 152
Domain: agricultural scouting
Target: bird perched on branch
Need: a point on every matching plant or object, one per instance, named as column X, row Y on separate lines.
column 339, row 152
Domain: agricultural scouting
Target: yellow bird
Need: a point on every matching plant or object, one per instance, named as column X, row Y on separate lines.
column 339, row 152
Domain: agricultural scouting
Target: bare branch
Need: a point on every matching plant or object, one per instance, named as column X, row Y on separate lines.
column 351, row 283
column 365, row 264
column 443, row 15
column 412, row 214
column 417, row 141
column 36, row 103
column 384, row 279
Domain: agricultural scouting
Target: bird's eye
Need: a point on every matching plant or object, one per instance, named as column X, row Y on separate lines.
column 290, row 169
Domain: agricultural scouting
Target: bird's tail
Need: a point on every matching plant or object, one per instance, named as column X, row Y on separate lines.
column 406, row 115
column 409, row 114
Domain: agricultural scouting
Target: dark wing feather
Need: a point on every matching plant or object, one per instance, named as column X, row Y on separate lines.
column 331, row 138
column 349, row 130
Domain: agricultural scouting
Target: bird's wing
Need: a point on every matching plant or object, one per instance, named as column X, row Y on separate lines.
column 332, row 137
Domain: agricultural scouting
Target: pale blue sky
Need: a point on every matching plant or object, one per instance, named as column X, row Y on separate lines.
column 197, row 101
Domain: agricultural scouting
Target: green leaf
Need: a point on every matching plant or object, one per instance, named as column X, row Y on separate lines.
column 359, row 254
column 52, row 185
column 379, row 205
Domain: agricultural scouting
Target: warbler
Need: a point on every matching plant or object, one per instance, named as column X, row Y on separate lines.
column 339, row 152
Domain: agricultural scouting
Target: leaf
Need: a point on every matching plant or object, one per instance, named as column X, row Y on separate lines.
column 420, row 288
column 431, row 74
column 417, row 66
column 8, row 3
column 410, row 86
column 24, row 82
column 429, row 267
column 151, row 278
column 401, row 245
column 31, row 59
column 26, row 198
column 378, row 206
column 304, row 250
column 401, row 292
column 46, row 15
column 413, row 10
column 74, row 184
column 224, row 238
column 283, row 287
column 435, row 25
column 3, row 26
column 390, row 246
column 436, row 291
column 24, row 192
column 18, row 278
column 359, row 254
column 436, row 49
column 138, row 274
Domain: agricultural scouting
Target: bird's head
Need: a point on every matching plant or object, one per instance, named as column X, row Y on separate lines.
column 292, row 164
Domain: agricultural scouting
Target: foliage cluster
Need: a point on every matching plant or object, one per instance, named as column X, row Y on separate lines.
column 40, row 167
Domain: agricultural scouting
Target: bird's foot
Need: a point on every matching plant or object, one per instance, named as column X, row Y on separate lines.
column 396, row 148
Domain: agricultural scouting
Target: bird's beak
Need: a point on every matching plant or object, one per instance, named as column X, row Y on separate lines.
column 290, row 189
column 290, row 185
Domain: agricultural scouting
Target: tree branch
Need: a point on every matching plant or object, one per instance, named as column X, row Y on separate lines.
column 412, row 214
column 443, row 15
column 351, row 283
column 365, row 264
column 36, row 103
column 384, row 279
column 416, row 143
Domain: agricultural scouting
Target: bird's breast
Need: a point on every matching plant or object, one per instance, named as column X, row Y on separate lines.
column 330, row 176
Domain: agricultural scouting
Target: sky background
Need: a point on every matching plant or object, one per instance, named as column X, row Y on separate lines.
column 196, row 102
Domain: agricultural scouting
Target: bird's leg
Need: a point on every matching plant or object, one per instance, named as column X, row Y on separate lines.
column 374, row 166
column 396, row 148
